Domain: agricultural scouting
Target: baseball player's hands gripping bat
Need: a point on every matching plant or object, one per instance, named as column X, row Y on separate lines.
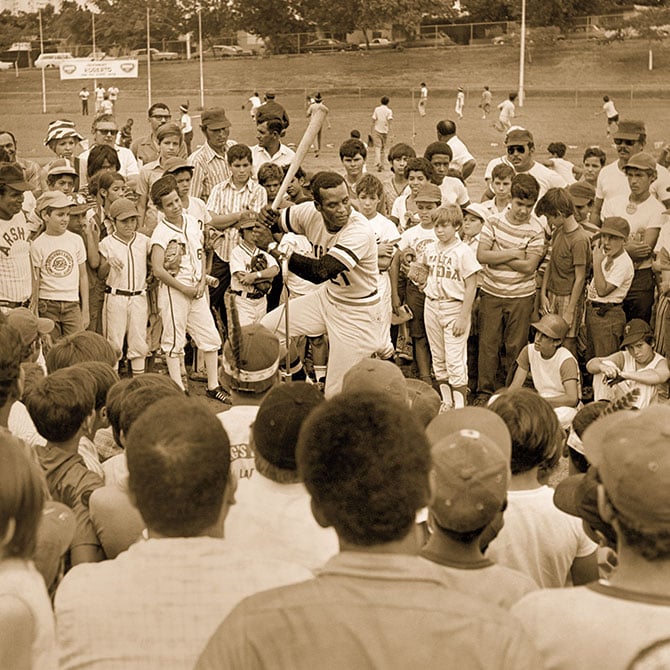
column 319, row 114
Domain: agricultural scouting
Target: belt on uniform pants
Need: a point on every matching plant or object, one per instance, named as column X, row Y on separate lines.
column 120, row 291
column 14, row 305
column 246, row 294
column 606, row 305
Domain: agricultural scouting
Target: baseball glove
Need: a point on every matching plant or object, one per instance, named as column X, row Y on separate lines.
column 173, row 255
column 258, row 264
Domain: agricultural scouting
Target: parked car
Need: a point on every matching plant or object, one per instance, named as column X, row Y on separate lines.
column 379, row 43
column 52, row 59
column 229, row 51
column 6, row 66
column 328, row 44
column 432, row 40
column 96, row 55
column 141, row 54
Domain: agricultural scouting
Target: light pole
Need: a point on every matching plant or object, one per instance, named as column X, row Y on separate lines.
column 522, row 54
column 202, row 76
column 148, row 55
column 95, row 79
column 43, row 68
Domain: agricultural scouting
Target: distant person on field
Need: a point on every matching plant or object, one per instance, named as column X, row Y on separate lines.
column 186, row 126
column 84, row 95
column 485, row 104
column 460, row 102
column 559, row 164
column 423, row 98
column 609, row 110
column 507, row 111
column 382, row 116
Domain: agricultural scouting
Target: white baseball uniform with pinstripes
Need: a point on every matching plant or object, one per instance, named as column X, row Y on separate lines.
column 15, row 265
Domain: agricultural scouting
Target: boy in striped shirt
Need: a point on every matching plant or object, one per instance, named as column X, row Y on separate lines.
column 511, row 246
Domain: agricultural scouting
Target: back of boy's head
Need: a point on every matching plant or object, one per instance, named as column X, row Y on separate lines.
column 446, row 127
column 78, row 348
column 533, row 426
column 448, row 214
column 135, row 403
column 435, row 148
column 420, row 165
column 557, row 149
column 269, row 171
column 21, row 498
column 238, row 152
column 502, row 171
column 385, row 100
column 123, row 388
column 351, row 148
column 355, row 134
column 370, row 496
column 369, row 185
column 401, row 150
column 178, row 463
column 105, row 377
column 162, row 187
column 525, row 187
column 11, row 355
column 555, row 202
column 61, row 402
column 595, row 152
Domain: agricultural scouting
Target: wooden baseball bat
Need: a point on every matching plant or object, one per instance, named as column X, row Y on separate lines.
column 315, row 123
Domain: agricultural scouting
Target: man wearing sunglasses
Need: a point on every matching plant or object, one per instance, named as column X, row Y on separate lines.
column 105, row 130
column 146, row 148
column 629, row 139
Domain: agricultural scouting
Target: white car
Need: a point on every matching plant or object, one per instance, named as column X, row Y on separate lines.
column 156, row 55
column 4, row 65
column 52, row 59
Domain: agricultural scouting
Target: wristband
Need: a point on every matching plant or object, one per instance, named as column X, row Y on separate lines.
column 258, row 275
column 272, row 246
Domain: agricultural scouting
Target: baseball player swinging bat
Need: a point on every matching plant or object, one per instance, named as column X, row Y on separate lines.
column 315, row 122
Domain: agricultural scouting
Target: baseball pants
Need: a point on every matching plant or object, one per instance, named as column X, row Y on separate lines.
column 250, row 310
column 354, row 332
column 181, row 314
column 449, row 353
column 125, row 316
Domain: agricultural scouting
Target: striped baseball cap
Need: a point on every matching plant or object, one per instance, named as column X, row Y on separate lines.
column 60, row 129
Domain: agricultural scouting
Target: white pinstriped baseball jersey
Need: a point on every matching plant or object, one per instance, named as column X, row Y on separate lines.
column 133, row 255
column 190, row 237
column 15, row 264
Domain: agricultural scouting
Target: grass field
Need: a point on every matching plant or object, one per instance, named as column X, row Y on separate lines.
column 564, row 88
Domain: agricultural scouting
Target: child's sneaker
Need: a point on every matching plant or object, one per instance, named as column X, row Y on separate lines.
column 220, row 394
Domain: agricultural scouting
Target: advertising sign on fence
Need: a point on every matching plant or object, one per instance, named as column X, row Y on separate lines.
column 98, row 69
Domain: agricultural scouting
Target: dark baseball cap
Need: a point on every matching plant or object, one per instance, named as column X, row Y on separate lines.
column 279, row 419
column 520, row 136
column 582, row 193
column 615, row 225
column 12, row 175
column 175, row 164
column 215, row 119
column 634, row 331
column 630, row 130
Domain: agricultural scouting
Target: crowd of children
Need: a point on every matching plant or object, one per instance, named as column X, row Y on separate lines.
column 530, row 300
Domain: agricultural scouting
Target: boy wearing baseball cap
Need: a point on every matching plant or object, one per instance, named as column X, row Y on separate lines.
column 59, row 263
column 606, row 623
column 471, row 450
column 552, row 367
column 612, row 276
column 636, row 366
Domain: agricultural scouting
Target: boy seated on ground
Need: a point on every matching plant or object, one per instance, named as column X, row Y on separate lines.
column 636, row 366
column 62, row 406
column 538, row 539
column 554, row 371
column 471, row 450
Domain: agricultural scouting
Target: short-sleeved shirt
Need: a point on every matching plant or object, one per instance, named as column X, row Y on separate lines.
column 499, row 234
column 209, row 169
column 417, row 238
column 198, row 210
column 450, row 265
column 612, row 182
column 640, row 217
column 128, row 168
column 260, row 155
column 568, row 250
column 549, row 374
column 240, row 261
column 460, row 152
column 507, row 110
column 382, row 116
column 190, row 237
column 619, row 275
column 454, row 192
column 58, row 257
column 610, row 109
column 15, row 264
column 133, row 254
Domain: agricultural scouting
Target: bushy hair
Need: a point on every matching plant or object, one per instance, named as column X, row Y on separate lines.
column 238, row 152
column 21, row 497
column 401, row 150
column 269, row 171
column 449, row 214
column 60, row 403
column 502, row 171
column 105, row 377
column 352, row 147
column 420, row 165
column 555, row 202
column 532, row 424
column 557, row 149
column 370, row 185
column 324, row 180
column 365, row 461
column 435, row 148
column 178, row 463
column 97, row 157
column 78, row 348
column 595, row 152
column 104, row 180
column 525, row 187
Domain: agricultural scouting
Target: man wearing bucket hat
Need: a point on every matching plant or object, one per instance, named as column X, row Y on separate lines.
column 62, row 138
column 16, row 280
column 636, row 366
column 629, row 139
column 645, row 215
column 605, row 624
column 553, row 369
